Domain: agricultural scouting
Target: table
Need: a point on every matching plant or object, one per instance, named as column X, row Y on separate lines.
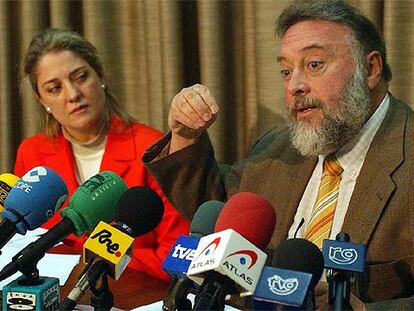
column 132, row 289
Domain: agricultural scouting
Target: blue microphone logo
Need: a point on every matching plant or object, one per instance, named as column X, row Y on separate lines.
column 282, row 287
column 34, row 174
column 343, row 256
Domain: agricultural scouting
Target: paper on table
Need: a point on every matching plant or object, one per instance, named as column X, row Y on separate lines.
column 52, row 265
column 90, row 308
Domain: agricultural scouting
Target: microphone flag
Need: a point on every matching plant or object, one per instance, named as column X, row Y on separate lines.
column 286, row 287
column 43, row 296
column 343, row 255
column 229, row 254
column 111, row 245
column 7, row 181
column 180, row 256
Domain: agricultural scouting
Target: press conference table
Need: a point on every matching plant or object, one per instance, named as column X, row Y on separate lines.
column 131, row 290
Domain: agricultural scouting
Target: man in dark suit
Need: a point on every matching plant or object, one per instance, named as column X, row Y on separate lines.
column 336, row 78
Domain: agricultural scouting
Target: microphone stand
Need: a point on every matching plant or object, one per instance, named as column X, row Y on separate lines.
column 102, row 298
column 30, row 277
column 340, row 283
column 339, row 290
column 45, row 290
column 69, row 303
column 213, row 291
column 176, row 298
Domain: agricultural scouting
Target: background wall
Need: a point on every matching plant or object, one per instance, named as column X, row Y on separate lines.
column 151, row 49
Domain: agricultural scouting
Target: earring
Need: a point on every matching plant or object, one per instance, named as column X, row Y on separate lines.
column 48, row 109
column 103, row 86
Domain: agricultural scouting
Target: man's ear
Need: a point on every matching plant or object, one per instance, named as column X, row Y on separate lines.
column 374, row 67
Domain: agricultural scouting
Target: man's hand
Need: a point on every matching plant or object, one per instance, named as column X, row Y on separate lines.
column 192, row 111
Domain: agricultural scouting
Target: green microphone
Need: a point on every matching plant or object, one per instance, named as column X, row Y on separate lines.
column 94, row 201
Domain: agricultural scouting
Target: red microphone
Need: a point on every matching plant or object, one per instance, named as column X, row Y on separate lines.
column 250, row 215
column 230, row 261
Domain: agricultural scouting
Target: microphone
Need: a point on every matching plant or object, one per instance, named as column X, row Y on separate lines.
column 229, row 262
column 296, row 269
column 342, row 259
column 31, row 202
column 7, row 181
column 182, row 253
column 108, row 249
column 93, row 201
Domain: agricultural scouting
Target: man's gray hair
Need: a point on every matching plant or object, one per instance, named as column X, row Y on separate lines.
column 365, row 32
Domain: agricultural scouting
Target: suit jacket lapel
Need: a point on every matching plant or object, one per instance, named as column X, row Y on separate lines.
column 375, row 185
column 58, row 156
column 120, row 150
column 293, row 173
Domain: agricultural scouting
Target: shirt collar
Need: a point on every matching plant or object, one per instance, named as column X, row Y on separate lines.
column 352, row 154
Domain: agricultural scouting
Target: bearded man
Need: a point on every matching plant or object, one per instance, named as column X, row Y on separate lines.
column 338, row 110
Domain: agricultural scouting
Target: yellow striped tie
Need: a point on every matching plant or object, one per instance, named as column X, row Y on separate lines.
column 321, row 219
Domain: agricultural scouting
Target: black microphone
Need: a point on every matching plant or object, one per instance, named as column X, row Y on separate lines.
column 304, row 256
column 181, row 254
column 289, row 283
column 139, row 210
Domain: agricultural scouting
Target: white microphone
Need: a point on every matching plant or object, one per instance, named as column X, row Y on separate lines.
column 229, row 262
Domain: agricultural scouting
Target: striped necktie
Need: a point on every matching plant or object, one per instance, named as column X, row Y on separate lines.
column 321, row 219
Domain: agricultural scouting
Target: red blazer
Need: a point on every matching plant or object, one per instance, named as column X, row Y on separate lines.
column 123, row 152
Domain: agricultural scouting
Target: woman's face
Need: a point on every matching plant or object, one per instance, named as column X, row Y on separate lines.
column 73, row 90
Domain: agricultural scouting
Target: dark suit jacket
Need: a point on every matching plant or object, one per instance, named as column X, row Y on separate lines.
column 380, row 213
column 123, row 151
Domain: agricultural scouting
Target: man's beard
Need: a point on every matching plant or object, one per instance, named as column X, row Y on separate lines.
column 338, row 125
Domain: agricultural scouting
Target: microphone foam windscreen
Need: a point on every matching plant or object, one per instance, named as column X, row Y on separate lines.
column 35, row 198
column 250, row 215
column 205, row 218
column 7, row 181
column 94, row 201
column 141, row 209
column 299, row 255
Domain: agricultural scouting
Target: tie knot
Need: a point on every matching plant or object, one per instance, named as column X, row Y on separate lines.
column 331, row 166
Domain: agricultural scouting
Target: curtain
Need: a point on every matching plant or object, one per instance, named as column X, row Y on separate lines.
column 151, row 49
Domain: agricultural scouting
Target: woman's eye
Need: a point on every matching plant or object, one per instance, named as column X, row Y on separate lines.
column 53, row 89
column 81, row 77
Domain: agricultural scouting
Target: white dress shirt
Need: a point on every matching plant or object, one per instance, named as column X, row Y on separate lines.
column 351, row 157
